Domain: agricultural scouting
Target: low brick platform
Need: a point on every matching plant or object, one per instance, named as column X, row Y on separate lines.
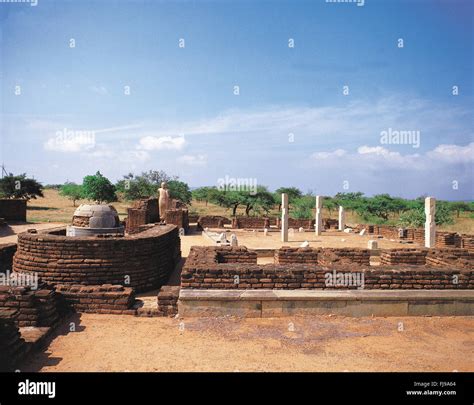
column 13, row 347
column 99, row 299
column 307, row 268
column 281, row 303
column 168, row 300
column 143, row 261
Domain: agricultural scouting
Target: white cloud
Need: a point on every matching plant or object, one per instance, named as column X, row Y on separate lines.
column 161, row 143
column 328, row 155
column 444, row 154
column 453, row 153
column 123, row 155
column 191, row 160
column 70, row 144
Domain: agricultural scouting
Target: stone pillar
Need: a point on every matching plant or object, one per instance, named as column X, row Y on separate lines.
column 430, row 226
column 318, row 225
column 342, row 218
column 284, row 217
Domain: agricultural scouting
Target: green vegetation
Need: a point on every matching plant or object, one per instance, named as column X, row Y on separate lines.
column 72, row 191
column 98, row 188
column 20, row 186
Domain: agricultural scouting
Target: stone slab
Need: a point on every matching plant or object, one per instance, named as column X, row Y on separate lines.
column 276, row 303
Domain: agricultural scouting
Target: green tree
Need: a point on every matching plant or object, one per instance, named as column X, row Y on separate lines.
column 262, row 200
column 415, row 218
column 72, row 191
column 98, row 188
column 303, row 207
column 135, row 187
column 460, row 206
column 293, row 194
column 20, row 186
column 228, row 199
column 381, row 206
column 330, row 204
column 180, row 191
column 205, row 194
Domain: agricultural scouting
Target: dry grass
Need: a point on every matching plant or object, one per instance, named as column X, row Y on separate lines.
column 54, row 208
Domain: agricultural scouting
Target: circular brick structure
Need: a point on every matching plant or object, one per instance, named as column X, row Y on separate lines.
column 143, row 261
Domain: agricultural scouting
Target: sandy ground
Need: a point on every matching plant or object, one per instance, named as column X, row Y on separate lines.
column 9, row 233
column 320, row 343
column 257, row 240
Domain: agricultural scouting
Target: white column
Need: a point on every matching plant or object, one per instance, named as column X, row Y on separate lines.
column 284, row 217
column 430, row 225
column 342, row 218
column 318, row 225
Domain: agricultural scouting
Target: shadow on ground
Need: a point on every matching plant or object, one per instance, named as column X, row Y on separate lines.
column 40, row 357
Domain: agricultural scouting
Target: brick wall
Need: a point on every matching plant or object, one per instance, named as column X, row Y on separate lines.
column 250, row 222
column 296, row 276
column 287, row 255
column 450, row 257
column 13, row 347
column 467, row 241
column 150, row 205
column 308, row 268
column 135, row 219
column 13, row 210
column 34, row 307
column 168, row 300
column 143, row 261
column 178, row 217
column 212, row 221
column 329, row 223
column 239, row 254
column 403, row 256
column 98, row 299
column 307, row 224
column 344, row 256
column 6, row 256
column 417, row 235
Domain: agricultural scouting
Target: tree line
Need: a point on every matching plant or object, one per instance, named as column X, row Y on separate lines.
column 379, row 209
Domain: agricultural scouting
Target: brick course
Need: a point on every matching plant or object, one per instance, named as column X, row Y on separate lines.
column 307, row 268
column 143, row 261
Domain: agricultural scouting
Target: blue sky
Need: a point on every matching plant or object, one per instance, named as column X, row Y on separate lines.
column 290, row 125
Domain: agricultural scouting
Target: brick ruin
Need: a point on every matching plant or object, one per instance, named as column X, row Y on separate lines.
column 212, row 221
column 215, row 221
column 95, row 274
column 142, row 261
column 13, row 209
column 7, row 251
column 33, row 307
column 143, row 211
column 13, row 347
column 416, row 235
column 178, row 217
column 307, row 268
column 102, row 274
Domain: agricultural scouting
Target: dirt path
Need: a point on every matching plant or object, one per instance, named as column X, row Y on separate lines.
column 9, row 233
column 324, row 343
